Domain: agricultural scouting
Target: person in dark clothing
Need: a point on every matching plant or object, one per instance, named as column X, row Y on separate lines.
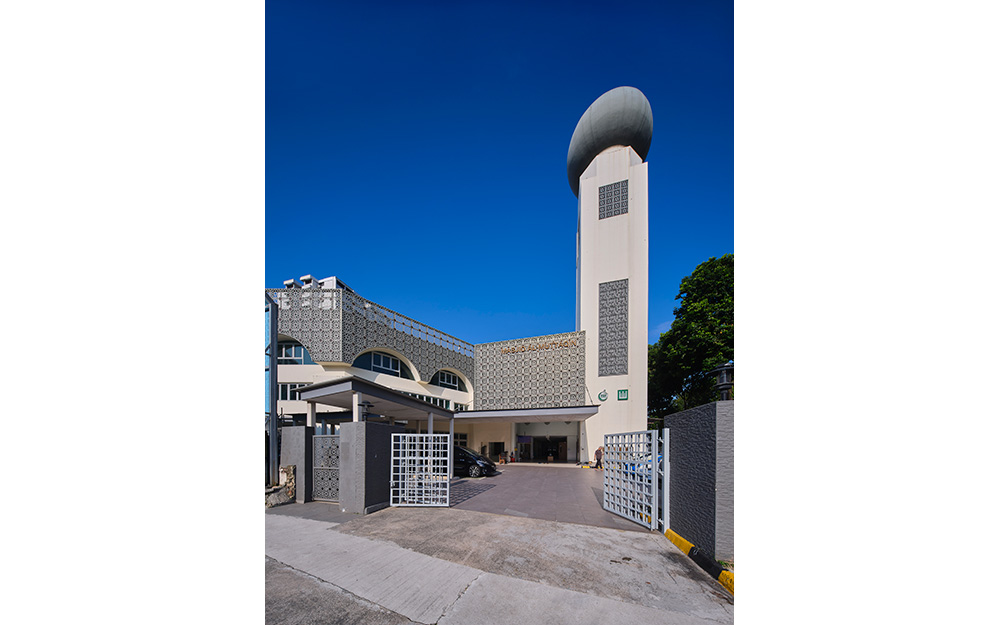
column 599, row 455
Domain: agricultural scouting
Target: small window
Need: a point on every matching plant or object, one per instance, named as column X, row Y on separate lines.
column 380, row 362
column 385, row 363
column 292, row 353
column 287, row 392
column 447, row 379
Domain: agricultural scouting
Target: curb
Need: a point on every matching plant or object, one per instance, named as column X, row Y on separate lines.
column 703, row 560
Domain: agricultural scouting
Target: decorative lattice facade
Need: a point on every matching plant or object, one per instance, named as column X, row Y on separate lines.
column 612, row 328
column 366, row 325
column 612, row 199
column 312, row 317
column 539, row 372
column 336, row 325
column 326, row 468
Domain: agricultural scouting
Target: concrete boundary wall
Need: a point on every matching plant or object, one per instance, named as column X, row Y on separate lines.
column 365, row 466
column 701, row 477
column 296, row 449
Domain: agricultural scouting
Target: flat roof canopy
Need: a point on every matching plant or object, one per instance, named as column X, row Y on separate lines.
column 381, row 400
column 390, row 403
column 525, row 415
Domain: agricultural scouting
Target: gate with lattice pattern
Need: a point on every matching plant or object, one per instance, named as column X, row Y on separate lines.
column 326, row 468
column 420, row 465
column 636, row 477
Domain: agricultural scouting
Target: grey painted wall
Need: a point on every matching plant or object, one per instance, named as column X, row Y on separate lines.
column 365, row 465
column 725, row 508
column 296, row 448
column 701, row 476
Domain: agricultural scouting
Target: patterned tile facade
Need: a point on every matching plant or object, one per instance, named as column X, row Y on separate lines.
column 612, row 199
column 538, row 372
column 612, row 328
column 370, row 326
column 312, row 317
column 337, row 326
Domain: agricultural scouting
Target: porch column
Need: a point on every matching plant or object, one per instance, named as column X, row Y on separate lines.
column 451, row 447
column 356, row 405
column 311, row 414
column 430, row 422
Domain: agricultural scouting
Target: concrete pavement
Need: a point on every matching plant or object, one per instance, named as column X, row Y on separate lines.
column 554, row 492
column 434, row 565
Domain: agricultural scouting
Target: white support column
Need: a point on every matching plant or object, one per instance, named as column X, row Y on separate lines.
column 356, row 405
column 311, row 414
column 451, row 448
column 666, row 479
column 430, row 422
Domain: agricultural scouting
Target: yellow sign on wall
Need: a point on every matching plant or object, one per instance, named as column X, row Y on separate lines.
column 533, row 347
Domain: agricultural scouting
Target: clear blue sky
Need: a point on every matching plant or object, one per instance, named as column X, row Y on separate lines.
column 417, row 151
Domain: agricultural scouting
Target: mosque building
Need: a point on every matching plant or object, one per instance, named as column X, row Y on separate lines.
column 544, row 398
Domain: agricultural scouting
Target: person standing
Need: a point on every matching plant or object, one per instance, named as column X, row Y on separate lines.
column 599, row 455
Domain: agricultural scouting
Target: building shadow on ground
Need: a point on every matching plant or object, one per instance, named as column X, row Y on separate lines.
column 465, row 490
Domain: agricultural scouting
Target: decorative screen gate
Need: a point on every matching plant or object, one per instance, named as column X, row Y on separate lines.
column 326, row 468
column 420, row 470
column 635, row 476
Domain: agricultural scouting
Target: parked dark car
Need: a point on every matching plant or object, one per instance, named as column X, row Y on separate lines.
column 471, row 464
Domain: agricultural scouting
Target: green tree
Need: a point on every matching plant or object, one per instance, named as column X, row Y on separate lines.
column 699, row 340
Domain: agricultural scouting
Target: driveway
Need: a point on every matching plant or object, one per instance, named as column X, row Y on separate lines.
column 563, row 493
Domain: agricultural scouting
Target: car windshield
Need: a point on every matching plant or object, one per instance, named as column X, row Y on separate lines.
column 470, row 452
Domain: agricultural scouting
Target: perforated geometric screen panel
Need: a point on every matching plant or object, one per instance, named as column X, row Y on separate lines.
column 537, row 372
column 612, row 328
column 420, row 470
column 612, row 199
column 367, row 325
column 313, row 318
column 326, row 468
column 336, row 325
column 631, row 465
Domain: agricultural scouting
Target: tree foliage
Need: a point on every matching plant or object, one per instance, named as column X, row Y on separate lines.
column 699, row 340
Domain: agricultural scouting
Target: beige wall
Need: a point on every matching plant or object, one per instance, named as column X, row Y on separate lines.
column 484, row 433
column 310, row 374
column 612, row 249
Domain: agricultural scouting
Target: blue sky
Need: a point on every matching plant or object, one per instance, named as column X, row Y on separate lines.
column 418, row 153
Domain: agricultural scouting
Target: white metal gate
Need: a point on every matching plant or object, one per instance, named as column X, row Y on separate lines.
column 636, row 477
column 420, row 475
column 326, row 468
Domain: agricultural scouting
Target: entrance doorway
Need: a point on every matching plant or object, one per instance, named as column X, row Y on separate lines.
column 548, row 448
column 495, row 450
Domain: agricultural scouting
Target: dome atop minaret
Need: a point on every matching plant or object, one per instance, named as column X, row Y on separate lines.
column 621, row 116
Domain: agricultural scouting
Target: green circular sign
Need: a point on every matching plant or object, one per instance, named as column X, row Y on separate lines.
column 602, row 395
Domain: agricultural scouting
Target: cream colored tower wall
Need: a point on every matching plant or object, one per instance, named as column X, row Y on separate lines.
column 608, row 250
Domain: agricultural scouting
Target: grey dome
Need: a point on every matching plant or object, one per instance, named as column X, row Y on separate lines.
column 621, row 116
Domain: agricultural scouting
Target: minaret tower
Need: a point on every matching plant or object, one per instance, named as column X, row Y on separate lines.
column 607, row 173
